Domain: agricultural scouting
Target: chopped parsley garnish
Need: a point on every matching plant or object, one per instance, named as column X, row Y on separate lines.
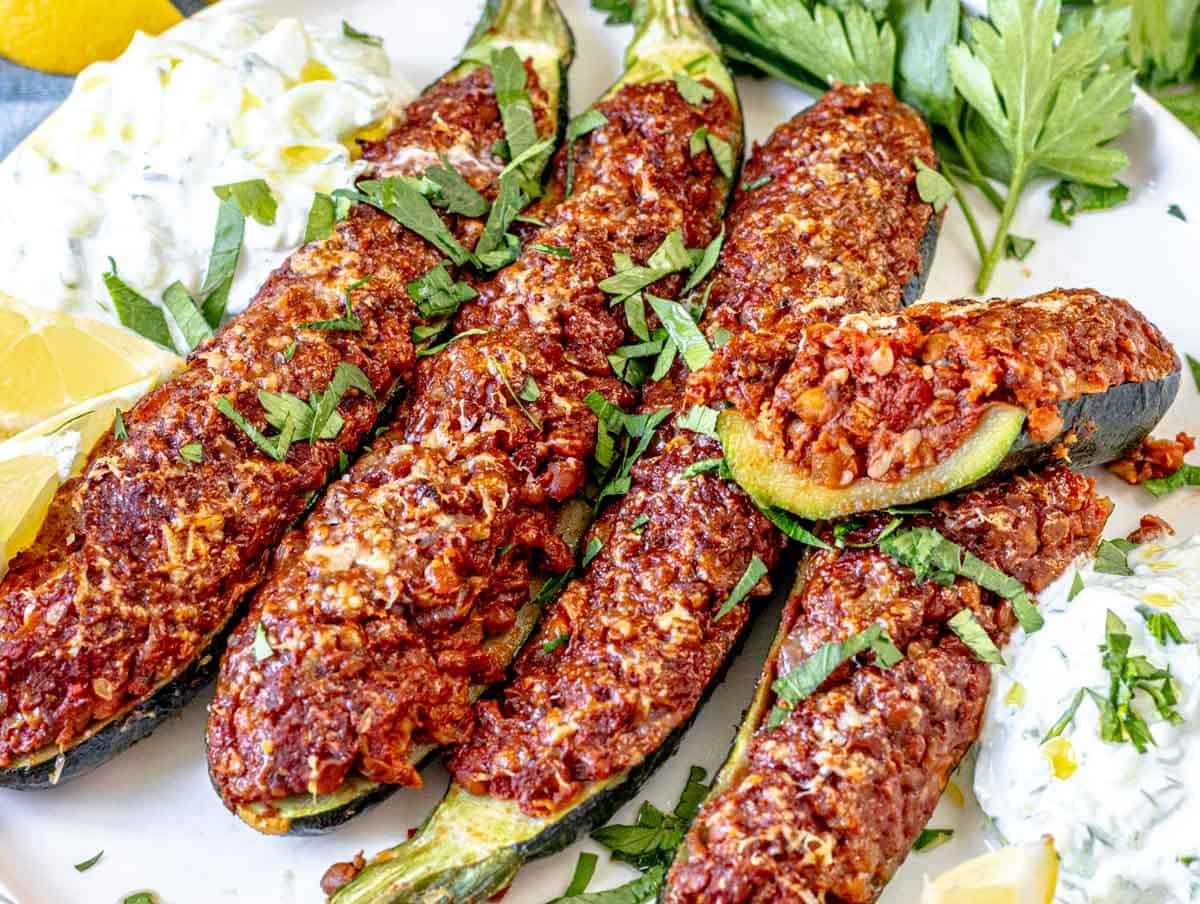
column 585, row 868
column 620, row 12
column 1076, row 587
column 253, row 198
column 639, row 524
column 556, row 250
column 354, row 34
column 635, row 316
column 89, row 863
column 684, row 332
column 586, row 122
column 611, row 422
column 670, row 257
column 750, row 577
column 262, row 648
column 701, row 467
column 1119, row 721
column 290, row 351
column 119, row 426
column 498, row 369
column 434, row 349
column 516, row 110
column 1177, row 212
column 550, row 589
column 1073, row 198
column 1161, row 626
column 438, row 294
column 721, row 149
column 932, row 556
column 497, row 247
column 192, row 452
column 802, row 681
column 321, row 217
column 140, row 897
column 792, row 526
column 1065, row 719
column 1017, row 247
column 404, row 203
column 1194, row 367
column 1112, row 557
column 971, row 632
column 556, row 641
column 699, row 419
column 454, row 193
column 932, row 838
column 708, row 260
column 222, row 261
column 693, row 91
column 529, row 391
column 756, row 184
column 1186, row 476
column 135, row 311
column 349, row 321
column 592, row 550
column 650, row 843
column 186, row 314
column 932, row 187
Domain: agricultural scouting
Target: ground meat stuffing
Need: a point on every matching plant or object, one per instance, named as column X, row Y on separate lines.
column 399, row 593
column 1153, row 458
column 146, row 556
column 1151, row 527
column 624, row 656
column 826, row 806
column 887, row 396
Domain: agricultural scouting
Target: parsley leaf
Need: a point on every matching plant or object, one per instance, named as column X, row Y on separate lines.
column 699, row 419
column 437, row 294
column 803, row 680
column 792, row 526
column 434, row 349
column 556, row 641
column 253, row 198
column 693, row 91
column 1076, row 587
column 402, row 202
column 586, row 122
column 1017, row 247
column 1177, row 212
column 934, row 188
column 321, row 217
column 756, row 184
column 119, row 432
column 585, row 868
column 186, row 314
column 1194, row 367
column 354, row 34
column 350, row 321
column 222, row 261
column 89, row 863
column 262, row 646
column 192, row 452
column 747, row 582
column 684, row 332
column 1161, row 626
column 136, row 311
column 704, row 466
column 455, row 193
column 932, row 838
column 708, row 260
column 620, row 12
column 556, row 250
column 592, row 550
column 670, row 257
column 1186, row 476
column 497, row 247
column 1065, row 719
column 516, row 110
column 1112, row 557
column 1073, row 198
column 971, row 632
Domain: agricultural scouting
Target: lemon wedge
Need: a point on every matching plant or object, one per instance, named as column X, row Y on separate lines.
column 34, row 463
column 51, row 361
column 1022, row 874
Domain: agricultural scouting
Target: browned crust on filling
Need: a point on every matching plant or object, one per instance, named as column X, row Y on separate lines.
column 146, row 555
column 379, row 609
column 643, row 641
column 886, row 397
column 1153, row 458
column 827, row 805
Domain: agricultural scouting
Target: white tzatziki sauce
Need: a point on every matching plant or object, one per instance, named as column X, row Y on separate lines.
column 1126, row 824
column 126, row 167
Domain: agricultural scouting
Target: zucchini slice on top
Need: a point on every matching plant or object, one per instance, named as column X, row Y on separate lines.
column 892, row 410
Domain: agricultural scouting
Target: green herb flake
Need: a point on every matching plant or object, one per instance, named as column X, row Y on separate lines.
column 933, row 188
column 803, row 680
column 932, row 838
column 321, row 217
column 253, row 198
column 556, row 250
column 290, row 351
column 262, row 646
column 89, row 863
column 135, row 311
column 585, row 868
column 747, row 582
column 1018, row 247
column 1065, row 719
column 140, row 897
column 670, row 257
column 592, row 549
column 684, row 332
column 192, row 452
column 1177, row 212
column 354, row 34
column 1186, row 476
column 454, row 193
column 756, row 184
column 1161, row 626
column 693, row 91
column 349, row 322
column 708, row 260
column 1194, row 367
column 529, row 391
column 699, row 419
column 1076, row 587
column 704, row 466
column 119, row 432
column 1112, row 557
column 498, row 369
column 516, row 110
column 697, row 143
column 222, row 261
column 583, row 124
column 620, row 12
column 639, row 524
column 792, row 526
column 438, row 294
column 406, row 205
column 556, row 641
column 187, row 314
column 971, row 632
column 1069, row 199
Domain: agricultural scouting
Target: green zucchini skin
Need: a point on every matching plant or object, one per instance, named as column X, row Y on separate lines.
column 1107, row 424
column 123, row 732
column 915, row 286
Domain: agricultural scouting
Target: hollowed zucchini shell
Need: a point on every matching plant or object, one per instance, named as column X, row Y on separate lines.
column 1105, row 425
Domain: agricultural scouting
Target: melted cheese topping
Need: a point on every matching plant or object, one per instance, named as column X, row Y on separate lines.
column 1124, row 823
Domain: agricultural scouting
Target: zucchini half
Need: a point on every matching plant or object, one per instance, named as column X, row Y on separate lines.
column 1106, row 424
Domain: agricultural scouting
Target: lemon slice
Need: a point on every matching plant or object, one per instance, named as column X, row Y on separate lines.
column 34, row 463
column 1023, row 874
column 50, row 362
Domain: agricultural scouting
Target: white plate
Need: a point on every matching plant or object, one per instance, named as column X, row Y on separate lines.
column 152, row 810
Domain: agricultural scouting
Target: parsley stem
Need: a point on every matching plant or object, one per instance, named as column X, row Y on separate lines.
column 978, row 179
column 968, row 215
column 1006, row 217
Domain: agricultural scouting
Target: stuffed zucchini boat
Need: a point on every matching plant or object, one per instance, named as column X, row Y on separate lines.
column 411, row 586
column 872, row 693
column 892, row 410
column 113, row 619
column 622, row 661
